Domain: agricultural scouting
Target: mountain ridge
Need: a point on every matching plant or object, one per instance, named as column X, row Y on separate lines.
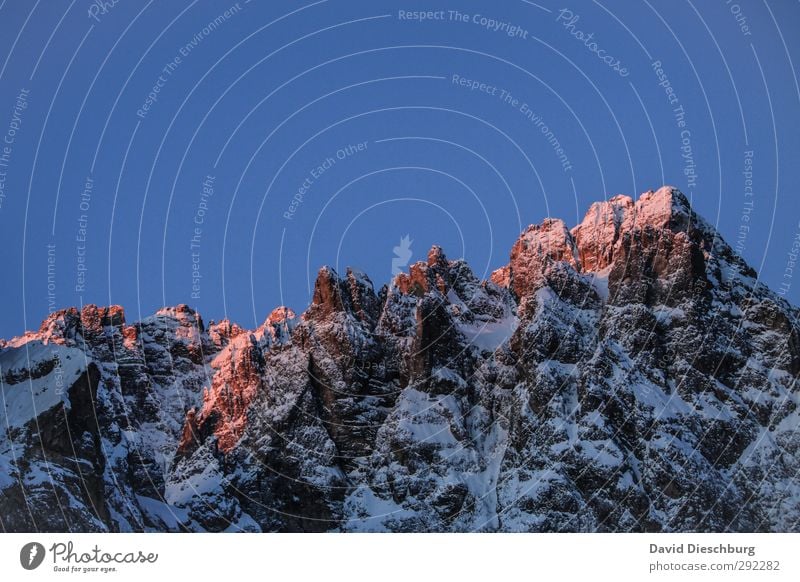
column 614, row 207
column 628, row 374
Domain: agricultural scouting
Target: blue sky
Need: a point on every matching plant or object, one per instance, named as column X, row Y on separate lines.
column 217, row 154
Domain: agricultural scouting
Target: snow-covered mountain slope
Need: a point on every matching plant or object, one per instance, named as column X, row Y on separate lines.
column 629, row 374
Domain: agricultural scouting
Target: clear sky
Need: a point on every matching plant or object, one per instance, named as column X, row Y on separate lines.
column 217, row 154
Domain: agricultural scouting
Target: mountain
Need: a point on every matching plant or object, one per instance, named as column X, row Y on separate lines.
column 629, row 374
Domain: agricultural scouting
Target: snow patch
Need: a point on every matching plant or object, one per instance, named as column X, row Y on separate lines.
column 25, row 400
column 490, row 335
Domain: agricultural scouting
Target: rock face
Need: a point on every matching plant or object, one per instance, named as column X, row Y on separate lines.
column 626, row 375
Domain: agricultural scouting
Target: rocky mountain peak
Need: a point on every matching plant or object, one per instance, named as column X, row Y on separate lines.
column 666, row 207
column 626, row 375
column 60, row 324
column 65, row 325
column 280, row 316
column 599, row 232
column 328, row 297
column 656, row 236
column 537, row 249
column 183, row 315
column 279, row 325
column 436, row 257
column 223, row 331
column 599, row 235
column 354, row 295
column 437, row 272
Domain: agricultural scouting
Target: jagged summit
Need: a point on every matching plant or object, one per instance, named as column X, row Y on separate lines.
column 626, row 374
column 589, row 247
